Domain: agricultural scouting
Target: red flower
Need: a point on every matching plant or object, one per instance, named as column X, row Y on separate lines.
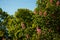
column 22, row 25
column 45, row 14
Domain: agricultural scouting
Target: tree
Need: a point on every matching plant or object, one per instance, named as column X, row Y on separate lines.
column 3, row 29
column 25, row 15
column 47, row 17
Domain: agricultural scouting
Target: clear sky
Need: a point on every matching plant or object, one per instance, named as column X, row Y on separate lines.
column 11, row 6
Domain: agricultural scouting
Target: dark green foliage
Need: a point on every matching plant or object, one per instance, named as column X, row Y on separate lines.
column 43, row 24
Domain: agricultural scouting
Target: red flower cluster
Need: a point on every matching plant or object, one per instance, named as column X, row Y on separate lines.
column 38, row 30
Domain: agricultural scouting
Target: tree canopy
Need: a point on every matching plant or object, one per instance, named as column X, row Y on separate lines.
column 41, row 24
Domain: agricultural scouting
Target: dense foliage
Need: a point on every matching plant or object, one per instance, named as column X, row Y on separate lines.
column 42, row 24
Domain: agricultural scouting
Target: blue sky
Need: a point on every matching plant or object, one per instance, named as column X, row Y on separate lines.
column 11, row 6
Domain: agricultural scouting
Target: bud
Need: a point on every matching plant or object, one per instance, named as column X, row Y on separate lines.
column 40, row 13
column 57, row 3
column 45, row 14
column 51, row 1
column 22, row 25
